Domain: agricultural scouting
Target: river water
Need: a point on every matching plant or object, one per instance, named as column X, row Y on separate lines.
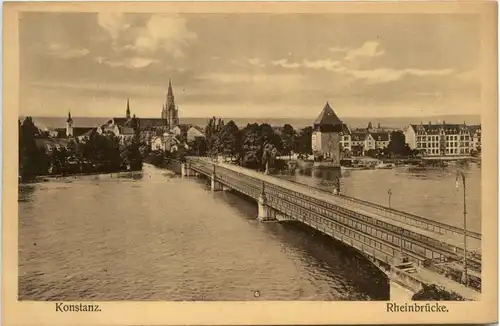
column 430, row 193
column 152, row 235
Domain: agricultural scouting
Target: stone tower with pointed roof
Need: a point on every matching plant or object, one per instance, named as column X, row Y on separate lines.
column 326, row 136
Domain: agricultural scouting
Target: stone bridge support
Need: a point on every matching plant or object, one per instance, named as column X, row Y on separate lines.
column 399, row 293
column 186, row 170
column 265, row 212
column 214, row 184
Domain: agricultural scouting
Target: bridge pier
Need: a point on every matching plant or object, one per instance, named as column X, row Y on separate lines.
column 214, row 184
column 186, row 170
column 265, row 212
column 398, row 292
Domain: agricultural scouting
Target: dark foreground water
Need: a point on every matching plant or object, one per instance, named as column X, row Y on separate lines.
column 155, row 236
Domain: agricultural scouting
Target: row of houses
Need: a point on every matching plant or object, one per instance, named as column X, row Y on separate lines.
column 442, row 139
column 158, row 138
column 162, row 133
column 171, row 141
column 438, row 139
column 359, row 141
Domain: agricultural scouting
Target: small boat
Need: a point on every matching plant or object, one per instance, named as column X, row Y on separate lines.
column 385, row 166
column 354, row 168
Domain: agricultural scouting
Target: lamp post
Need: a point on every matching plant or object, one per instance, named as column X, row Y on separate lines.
column 460, row 174
column 389, row 192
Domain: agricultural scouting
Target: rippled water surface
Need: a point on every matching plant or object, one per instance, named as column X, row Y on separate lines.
column 429, row 193
column 155, row 236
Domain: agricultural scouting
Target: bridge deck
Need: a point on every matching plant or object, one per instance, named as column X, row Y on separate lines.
column 454, row 240
column 355, row 226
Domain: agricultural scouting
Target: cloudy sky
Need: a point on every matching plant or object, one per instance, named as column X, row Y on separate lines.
column 250, row 65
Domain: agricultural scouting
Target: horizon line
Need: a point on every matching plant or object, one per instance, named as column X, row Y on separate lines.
column 252, row 117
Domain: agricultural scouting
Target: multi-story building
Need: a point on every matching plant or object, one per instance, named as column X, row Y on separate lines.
column 345, row 138
column 475, row 133
column 441, row 139
column 381, row 139
column 363, row 141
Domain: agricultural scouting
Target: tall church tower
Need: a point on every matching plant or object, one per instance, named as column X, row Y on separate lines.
column 128, row 109
column 164, row 114
column 171, row 109
column 69, row 125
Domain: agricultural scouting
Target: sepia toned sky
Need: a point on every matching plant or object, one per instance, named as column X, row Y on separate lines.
column 251, row 65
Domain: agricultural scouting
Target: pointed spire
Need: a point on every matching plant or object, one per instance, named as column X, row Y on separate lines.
column 128, row 108
column 69, row 117
column 170, row 92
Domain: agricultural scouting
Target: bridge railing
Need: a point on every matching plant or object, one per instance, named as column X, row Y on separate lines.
column 251, row 187
column 408, row 218
column 416, row 220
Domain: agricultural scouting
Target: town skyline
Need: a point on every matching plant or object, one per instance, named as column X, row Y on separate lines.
column 277, row 71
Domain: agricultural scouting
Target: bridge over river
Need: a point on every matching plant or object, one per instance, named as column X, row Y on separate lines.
column 412, row 250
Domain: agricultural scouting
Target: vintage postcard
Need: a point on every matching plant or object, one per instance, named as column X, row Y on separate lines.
column 196, row 163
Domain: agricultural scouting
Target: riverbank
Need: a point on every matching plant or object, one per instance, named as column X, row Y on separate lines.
column 45, row 177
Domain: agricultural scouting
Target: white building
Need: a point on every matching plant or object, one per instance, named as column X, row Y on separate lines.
column 194, row 133
column 441, row 139
column 167, row 142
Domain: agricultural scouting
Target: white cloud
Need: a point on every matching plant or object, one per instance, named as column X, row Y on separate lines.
column 167, row 32
column 326, row 64
column 131, row 63
column 254, row 61
column 246, row 62
column 368, row 49
column 66, row 52
column 384, row 75
column 113, row 22
column 336, row 49
column 263, row 79
column 285, row 64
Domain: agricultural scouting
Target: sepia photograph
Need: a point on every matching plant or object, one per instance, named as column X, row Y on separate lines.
column 218, row 156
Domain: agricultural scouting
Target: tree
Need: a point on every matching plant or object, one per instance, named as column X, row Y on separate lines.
column 303, row 144
column 228, row 140
column 269, row 136
column 433, row 292
column 397, row 144
column 130, row 154
column 212, row 133
column 135, row 124
column 288, row 139
column 251, row 146
column 198, row 147
column 268, row 156
column 30, row 157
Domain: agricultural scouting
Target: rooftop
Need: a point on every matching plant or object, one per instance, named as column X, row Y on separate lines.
column 327, row 117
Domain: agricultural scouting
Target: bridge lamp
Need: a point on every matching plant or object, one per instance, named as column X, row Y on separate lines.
column 461, row 175
column 389, row 192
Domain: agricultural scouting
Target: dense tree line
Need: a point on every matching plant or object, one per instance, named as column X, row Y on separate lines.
column 95, row 153
column 255, row 146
